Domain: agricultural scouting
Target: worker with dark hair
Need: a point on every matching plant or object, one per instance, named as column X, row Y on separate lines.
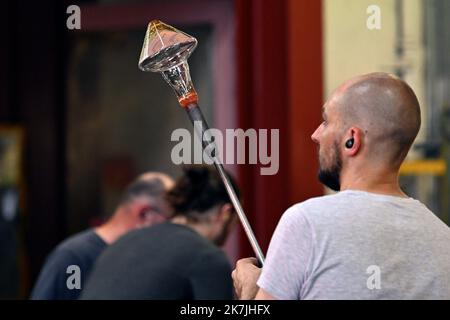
column 180, row 259
column 69, row 265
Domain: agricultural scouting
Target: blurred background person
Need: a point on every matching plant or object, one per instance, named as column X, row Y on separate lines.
column 180, row 259
column 68, row 266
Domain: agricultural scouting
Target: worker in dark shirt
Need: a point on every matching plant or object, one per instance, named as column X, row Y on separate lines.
column 180, row 259
column 69, row 265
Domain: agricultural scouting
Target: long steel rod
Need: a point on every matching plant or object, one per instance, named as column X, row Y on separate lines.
column 195, row 114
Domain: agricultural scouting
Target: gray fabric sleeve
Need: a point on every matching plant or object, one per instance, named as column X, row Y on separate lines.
column 288, row 257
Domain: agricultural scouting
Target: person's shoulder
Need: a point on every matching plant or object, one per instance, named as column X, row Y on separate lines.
column 148, row 234
column 316, row 209
column 321, row 201
column 64, row 254
column 75, row 241
column 313, row 204
column 167, row 235
column 72, row 246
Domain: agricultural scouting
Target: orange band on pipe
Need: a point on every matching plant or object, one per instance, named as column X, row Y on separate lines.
column 190, row 98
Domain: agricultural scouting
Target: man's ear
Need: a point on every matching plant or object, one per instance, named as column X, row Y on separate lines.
column 353, row 140
column 226, row 212
column 139, row 210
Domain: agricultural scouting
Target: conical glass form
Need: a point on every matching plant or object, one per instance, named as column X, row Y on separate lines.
column 166, row 50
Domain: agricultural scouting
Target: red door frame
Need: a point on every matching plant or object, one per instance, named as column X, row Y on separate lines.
column 279, row 45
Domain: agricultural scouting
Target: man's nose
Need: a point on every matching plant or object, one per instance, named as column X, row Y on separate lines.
column 315, row 135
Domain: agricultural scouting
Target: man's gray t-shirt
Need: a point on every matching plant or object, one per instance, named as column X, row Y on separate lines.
column 358, row 245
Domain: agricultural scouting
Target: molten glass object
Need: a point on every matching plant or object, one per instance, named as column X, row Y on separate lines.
column 166, row 50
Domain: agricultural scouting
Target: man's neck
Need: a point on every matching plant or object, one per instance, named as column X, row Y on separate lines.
column 376, row 182
column 111, row 230
column 197, row 227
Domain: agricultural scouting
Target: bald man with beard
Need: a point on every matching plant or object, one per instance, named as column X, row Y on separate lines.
column 369, row 240
column 142, row 204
